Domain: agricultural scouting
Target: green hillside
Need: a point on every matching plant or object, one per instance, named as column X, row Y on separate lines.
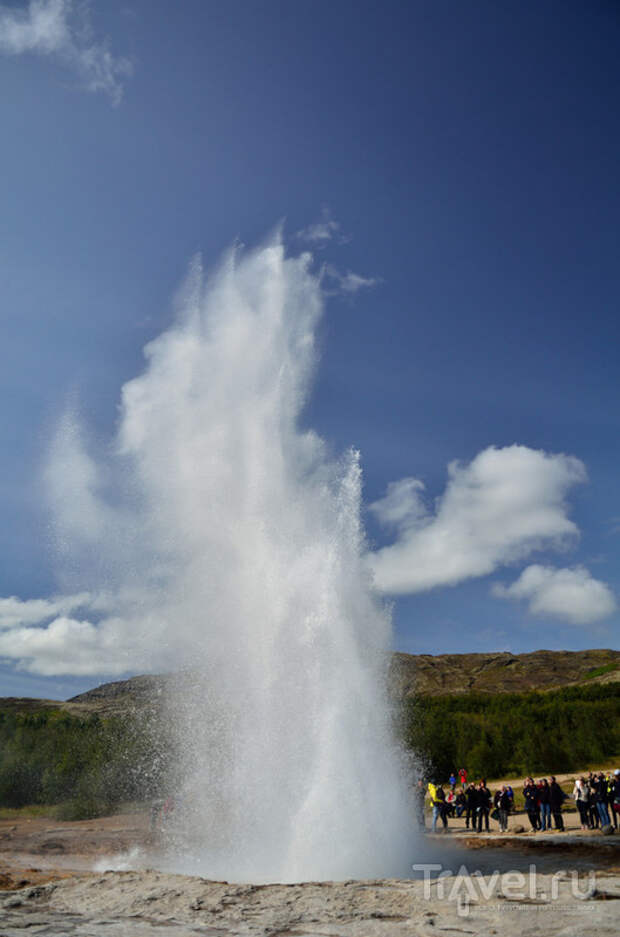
column 515, row 734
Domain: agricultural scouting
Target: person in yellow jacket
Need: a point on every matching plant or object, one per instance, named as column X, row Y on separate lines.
column 438, row 803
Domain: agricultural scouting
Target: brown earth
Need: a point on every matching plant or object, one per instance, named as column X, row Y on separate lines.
column 51, row 886
column 435, row 675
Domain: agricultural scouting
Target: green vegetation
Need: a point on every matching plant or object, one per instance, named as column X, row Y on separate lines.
column 87, row 766
column 514, row 734
column 600, row 671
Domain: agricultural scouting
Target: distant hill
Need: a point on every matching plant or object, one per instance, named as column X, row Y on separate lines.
column 436, row 675
column 410, row 674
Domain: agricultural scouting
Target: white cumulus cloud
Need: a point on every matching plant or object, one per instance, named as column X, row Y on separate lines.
column 499, row 508
column 51, row 636
column 570, row 594
column 70, row 646
column 15, row 612
column 60, row 28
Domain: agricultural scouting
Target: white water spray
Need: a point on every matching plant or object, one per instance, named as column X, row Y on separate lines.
column 246, row 564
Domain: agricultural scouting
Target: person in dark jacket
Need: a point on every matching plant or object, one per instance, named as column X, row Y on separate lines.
column 615, row 803
column 484, row 805
column 544, row 804
column 530, row 796
column 420, row 794
column 595, row 819
column 460, row 803
column 601, row 799
column 556, row 799
column 502, row 803
column 471, row 799
column 611, row 797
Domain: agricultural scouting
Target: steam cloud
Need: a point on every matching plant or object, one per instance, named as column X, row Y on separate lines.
column 216, row 535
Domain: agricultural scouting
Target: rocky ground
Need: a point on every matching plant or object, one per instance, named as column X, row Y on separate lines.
column 54, row 883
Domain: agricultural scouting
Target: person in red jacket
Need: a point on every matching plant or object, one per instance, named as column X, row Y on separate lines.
column 463, row 776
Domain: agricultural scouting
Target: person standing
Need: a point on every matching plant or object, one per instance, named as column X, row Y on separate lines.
column 484, row 805
column 438, row 802
column 463, row 776
column 615, row 806
column 471, row 806
column 502, row 804
column 530, row 796
column 611, row 796
column 581, row 796
column 595, row 819
column 556, row 799
column 419, row 803
column 601, row 799
column 452, row 780
column 544, row 804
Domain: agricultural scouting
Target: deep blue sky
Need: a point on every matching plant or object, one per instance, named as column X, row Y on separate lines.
column 470, row 153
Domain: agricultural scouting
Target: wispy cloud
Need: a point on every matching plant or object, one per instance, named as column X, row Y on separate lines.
column 61, row 29
column 348, row 282
column 323, row 231
column 498, row 509
column 572, row 595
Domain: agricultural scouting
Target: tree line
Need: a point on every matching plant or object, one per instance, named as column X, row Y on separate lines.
column 88, row 765
column 511, row 734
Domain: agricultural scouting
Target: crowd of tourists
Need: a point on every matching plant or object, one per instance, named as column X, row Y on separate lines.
column 596, row 796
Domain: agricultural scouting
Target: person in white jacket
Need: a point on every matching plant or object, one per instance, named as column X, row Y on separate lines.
column 581, row 795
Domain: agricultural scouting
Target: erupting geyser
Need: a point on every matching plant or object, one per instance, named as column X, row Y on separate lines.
column 241, row 556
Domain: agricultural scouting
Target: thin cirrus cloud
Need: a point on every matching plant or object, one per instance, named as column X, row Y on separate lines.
column 60, row 29
column 349, row 282
column 321, row 232
column 570, row 594
column 495, row 510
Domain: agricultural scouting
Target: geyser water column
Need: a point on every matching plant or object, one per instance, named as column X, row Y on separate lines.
column 247, row 560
